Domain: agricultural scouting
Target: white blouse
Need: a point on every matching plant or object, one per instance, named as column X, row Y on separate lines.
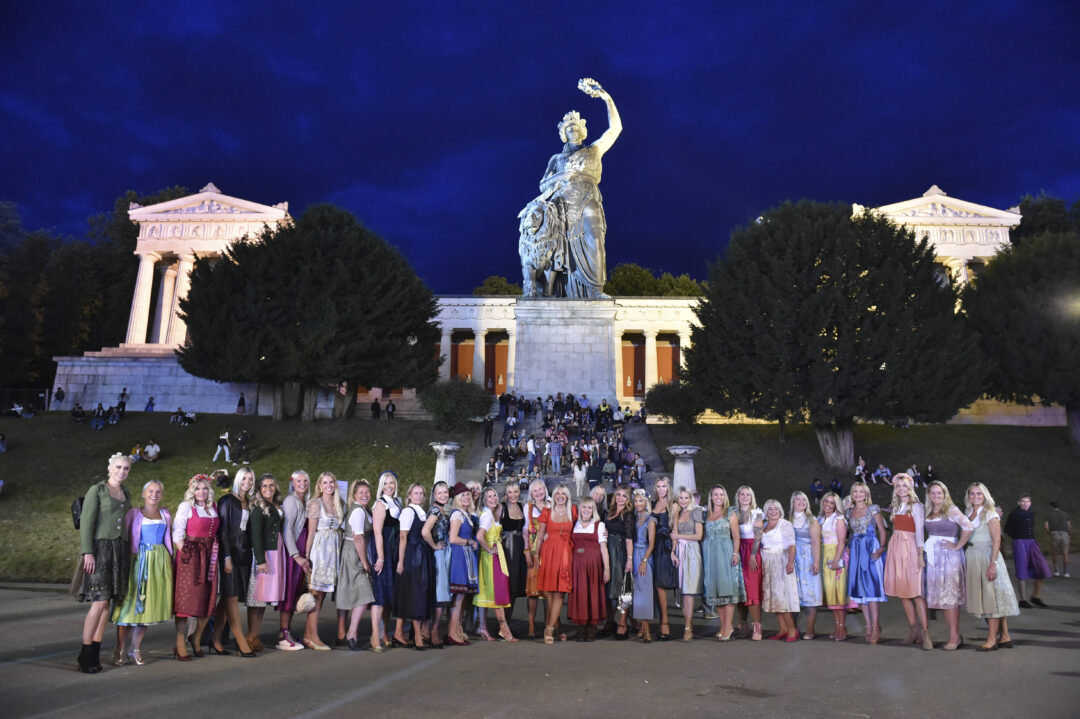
column 779, row 537
column 592, row 527
column 407, row 518
column 183, row 514
column 746, row 531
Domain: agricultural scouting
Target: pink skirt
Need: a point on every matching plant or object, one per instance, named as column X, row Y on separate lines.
column 903, row 577
column 269, row 587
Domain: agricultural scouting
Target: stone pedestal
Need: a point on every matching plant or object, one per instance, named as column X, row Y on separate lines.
column 445, row 465
column 565, row 345
column 684, row 467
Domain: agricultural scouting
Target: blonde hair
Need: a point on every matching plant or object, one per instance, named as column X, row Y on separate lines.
column 563, row 489
column 671, row 503
column 772, row 503
column 723, row 507
column 838, row 505
column 946, row 504
column 355, row 485
column 382, row 484
column 335, row 498
column 676, row 512
column 906, row 480
column 413, row 486
column 644, row 495
column 245, row 499
column 849, row 501
column 791, row 506
column 193, row 484
column 497, row 511
column 591, row 504
column 260, row 502
column 307, row 495
column 989, row 508
column 457, row 501
column 753, row 498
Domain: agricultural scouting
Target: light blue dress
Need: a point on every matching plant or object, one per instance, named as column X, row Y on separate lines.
column 809, row 583
column 723, row 583
column 644, row 592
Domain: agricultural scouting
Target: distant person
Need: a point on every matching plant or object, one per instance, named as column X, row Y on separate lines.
column 78, row 414
column 223, row 445
column 861, row 472
column 376, row 409
column 1060, row 529
column 3, row 443
column 177, row 416
column 837, row 486
column 151, row 451
column 59, row 396
column 121, row 403
column 491, row 473
column 243, row 440
column 241, row 404
column 136, row 453
column 114, row 415
column 149, row 405
column 489, row 426
column 817, row 490
column 916, row 478
column 390, row 409
column 883, row 473
column 97, row 422
column 1027, row 557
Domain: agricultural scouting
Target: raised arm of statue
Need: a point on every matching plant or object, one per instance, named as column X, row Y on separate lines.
column 593, row 89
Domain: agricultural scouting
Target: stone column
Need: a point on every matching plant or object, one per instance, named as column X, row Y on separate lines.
column 619, row 379
column 684, row 468
column 959, row 269
column 165, row 303
column 445, row 465
column 140, row 302
column 511, row 359
column 177, row 326
column 478, row 357
column 684, row 343
column 651, row 373
column 445, row 347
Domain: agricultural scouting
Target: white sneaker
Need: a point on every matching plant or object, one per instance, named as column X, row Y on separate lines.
column 287, row 644
column 1067, row 575
column 1057, row 573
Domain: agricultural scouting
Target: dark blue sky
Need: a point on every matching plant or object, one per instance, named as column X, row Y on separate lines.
column 434, row 121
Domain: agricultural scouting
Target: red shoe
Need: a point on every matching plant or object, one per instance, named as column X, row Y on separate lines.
column 792, row 638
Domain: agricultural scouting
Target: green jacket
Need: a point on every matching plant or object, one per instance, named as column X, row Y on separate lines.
column 102, row 516
column 264, row 532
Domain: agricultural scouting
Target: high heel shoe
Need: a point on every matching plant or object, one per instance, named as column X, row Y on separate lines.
column 688, row 633
column 398, row 644
column 118, row 656
column 485, row 635
column 646, row 636
column 756, row 636
column 549, row 635
column 621, row 634
column 730, row 636
column 664, row 634
column 221, row 652
column 455, row 643
column 506, row 635
column 245, row 655
column 875, row 634
column 841, row 634
column 136, row 657
column 180, row 657
column 196, row 650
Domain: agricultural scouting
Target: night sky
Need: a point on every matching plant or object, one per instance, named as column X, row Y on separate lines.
column 433, row 122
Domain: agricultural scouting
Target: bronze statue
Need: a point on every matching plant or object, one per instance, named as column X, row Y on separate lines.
column 562, row 231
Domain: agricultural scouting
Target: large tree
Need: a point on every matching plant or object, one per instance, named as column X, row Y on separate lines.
column 1043, row 214
column 320, row 302
column 628, row 279
column 497, row 285
column 816, row 314
column 1025, row 306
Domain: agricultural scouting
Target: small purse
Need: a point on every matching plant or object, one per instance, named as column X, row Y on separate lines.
column 306, row 601
column 626, row 597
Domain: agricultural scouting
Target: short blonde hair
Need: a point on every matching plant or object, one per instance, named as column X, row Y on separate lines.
column 644, row 495
column 591, row 504
column 773, row 503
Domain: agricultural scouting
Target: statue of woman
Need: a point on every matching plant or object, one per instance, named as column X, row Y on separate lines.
column 571, row 183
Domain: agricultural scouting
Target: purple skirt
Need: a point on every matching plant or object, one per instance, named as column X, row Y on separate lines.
column 1030, row 562
column 295, row 581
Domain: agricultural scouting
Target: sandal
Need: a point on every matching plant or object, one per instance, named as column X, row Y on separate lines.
column 506, row 635
column 688, row 633
column 756, row 636
column 730, row 636
column 808, row 636
column 549, row 635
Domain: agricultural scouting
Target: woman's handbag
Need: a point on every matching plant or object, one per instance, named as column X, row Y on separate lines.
column 626, row 597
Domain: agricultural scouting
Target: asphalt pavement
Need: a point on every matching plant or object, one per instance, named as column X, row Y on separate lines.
column 1037, row 678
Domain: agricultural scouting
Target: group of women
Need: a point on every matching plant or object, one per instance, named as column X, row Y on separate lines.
column 608, row 560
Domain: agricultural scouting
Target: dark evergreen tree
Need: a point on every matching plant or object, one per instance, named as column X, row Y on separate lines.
column 1044, row 214
column 496, row 285
column 1025, row 307
column 813, row 314
column 321, row 302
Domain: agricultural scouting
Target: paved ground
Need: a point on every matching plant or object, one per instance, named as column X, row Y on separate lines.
column 1039, row 678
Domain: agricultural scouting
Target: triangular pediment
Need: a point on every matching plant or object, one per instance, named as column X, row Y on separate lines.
column 209, row 203
column 936, row 207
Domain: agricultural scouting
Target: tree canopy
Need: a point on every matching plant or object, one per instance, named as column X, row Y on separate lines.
column 1025, row 306
column 319, row 302
column 815, row 314
column 1043, row 214
column 632, row 280
column 496, row 285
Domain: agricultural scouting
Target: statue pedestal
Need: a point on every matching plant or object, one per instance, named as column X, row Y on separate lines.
column 565, row 345
column 684, row 467
column 445, row 465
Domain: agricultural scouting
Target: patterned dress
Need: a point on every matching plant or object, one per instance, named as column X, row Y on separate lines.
column 149, row 597
column 752, row 578
column 723, row 582
column 691, row 581
column 779, row 590
column 865, row 574
column 195, row 588
column 810, row 588
column 325, row 555
column 464, row 577
column 986, row 599
column 946, row 586
column 834, row 582
column 440, row 533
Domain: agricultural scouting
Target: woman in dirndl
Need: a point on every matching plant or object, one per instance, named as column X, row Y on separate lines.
column 195, row 539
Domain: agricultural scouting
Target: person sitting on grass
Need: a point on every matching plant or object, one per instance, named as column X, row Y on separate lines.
column 136, row 453
column 151, row 451
column 78, row 414
column 114, row 415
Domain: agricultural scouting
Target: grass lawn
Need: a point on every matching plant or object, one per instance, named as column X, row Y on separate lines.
column 1010, row 461
column 50, row 461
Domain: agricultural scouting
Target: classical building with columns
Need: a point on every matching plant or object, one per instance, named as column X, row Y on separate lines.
column 613, row 348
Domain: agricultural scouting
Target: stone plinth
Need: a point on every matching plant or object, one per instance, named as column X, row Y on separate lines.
column 684, row 467
column 565, row 345
column 445, row 465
